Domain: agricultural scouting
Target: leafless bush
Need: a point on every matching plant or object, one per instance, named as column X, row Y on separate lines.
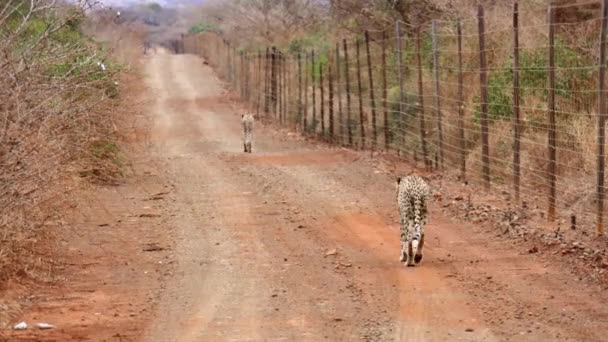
column 50, row 88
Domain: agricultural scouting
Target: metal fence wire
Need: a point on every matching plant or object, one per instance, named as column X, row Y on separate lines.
column 507, row 106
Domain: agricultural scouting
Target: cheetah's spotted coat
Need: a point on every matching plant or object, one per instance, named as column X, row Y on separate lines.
column 247, row 122
column 412, row 194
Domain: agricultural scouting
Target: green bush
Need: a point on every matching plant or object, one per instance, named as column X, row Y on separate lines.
column 203, row 27
column 572, row 73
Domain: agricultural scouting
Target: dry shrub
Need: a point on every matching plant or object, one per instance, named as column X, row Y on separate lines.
column 55, row 122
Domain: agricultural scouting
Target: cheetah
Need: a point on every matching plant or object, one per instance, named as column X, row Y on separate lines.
column 412, row 194
column 247, row 122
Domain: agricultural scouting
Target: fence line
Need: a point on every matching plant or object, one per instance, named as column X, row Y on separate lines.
column 503, row 112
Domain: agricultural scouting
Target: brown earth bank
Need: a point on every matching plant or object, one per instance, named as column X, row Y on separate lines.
column 296, row 241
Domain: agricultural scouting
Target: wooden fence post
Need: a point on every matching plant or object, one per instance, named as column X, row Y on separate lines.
column 462, row 146
column 348, row 108
column 314, row 95
column 331, row 98
column 281, row 67
column 437, row 94
column 285, row 87
column 360, row 95
column 516, row 94
column 385, row 93
column 322, row 104
column 485, row 148
column 259, row 83
column 425, row 154
column 551, row 172
column 245, row 77
column 228, row 60
column 601, row 122
column 290, row 90
column 371, row 91
column 274, row 82
column 235, row 67
column 305, row 111
column 401, row 120
column 299, row 89
column 339, row 93
column 266, row 83
column 279, row 87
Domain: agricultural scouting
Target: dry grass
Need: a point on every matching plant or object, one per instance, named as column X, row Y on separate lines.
column 57, row 112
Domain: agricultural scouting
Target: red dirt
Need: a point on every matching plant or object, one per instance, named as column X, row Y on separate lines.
column 247, row 240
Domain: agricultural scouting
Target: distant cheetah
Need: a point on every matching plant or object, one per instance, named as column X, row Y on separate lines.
column 247, row 122
column 412, row 194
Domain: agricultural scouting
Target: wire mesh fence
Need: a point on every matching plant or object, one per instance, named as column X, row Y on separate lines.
column 516, row 105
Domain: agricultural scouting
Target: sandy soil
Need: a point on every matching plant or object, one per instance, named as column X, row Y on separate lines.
column 295, row 242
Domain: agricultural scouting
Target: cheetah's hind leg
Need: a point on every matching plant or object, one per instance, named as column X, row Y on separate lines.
column 410, row 254
column 418, row 256
column 403, row 252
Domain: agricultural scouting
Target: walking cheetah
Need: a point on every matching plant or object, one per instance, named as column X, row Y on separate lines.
column 412, row 194
column 247, row 122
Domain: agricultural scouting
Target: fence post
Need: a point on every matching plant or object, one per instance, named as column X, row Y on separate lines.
column 339, row 93
column 371, row 91
column 299, row 89
column 305, row 111
column 485, row 148
column 290, row 91
column 331, row 98
column 551, row 129
column 437, row 94
column 273, row 81
column 347, row 79
column 601, row 121
column 250, row 76
column 463, row 156
column 285, row 87
column 314, row 95
column 258, row 83
column 228, row 60
column 322, row 104
column 425, row 154
column 235, row 67
column 281, row 86
column 400, row 120
column 385, row 93
column 266, row 84
column 360, row 95
column 516, row 94
column 246, row 76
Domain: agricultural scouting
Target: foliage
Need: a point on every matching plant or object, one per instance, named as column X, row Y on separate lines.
column 50, row 87
column 156, row 7
column 572, row 72
column 203, row 27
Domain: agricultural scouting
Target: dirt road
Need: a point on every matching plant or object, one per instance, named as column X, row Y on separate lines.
column 299, row 242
